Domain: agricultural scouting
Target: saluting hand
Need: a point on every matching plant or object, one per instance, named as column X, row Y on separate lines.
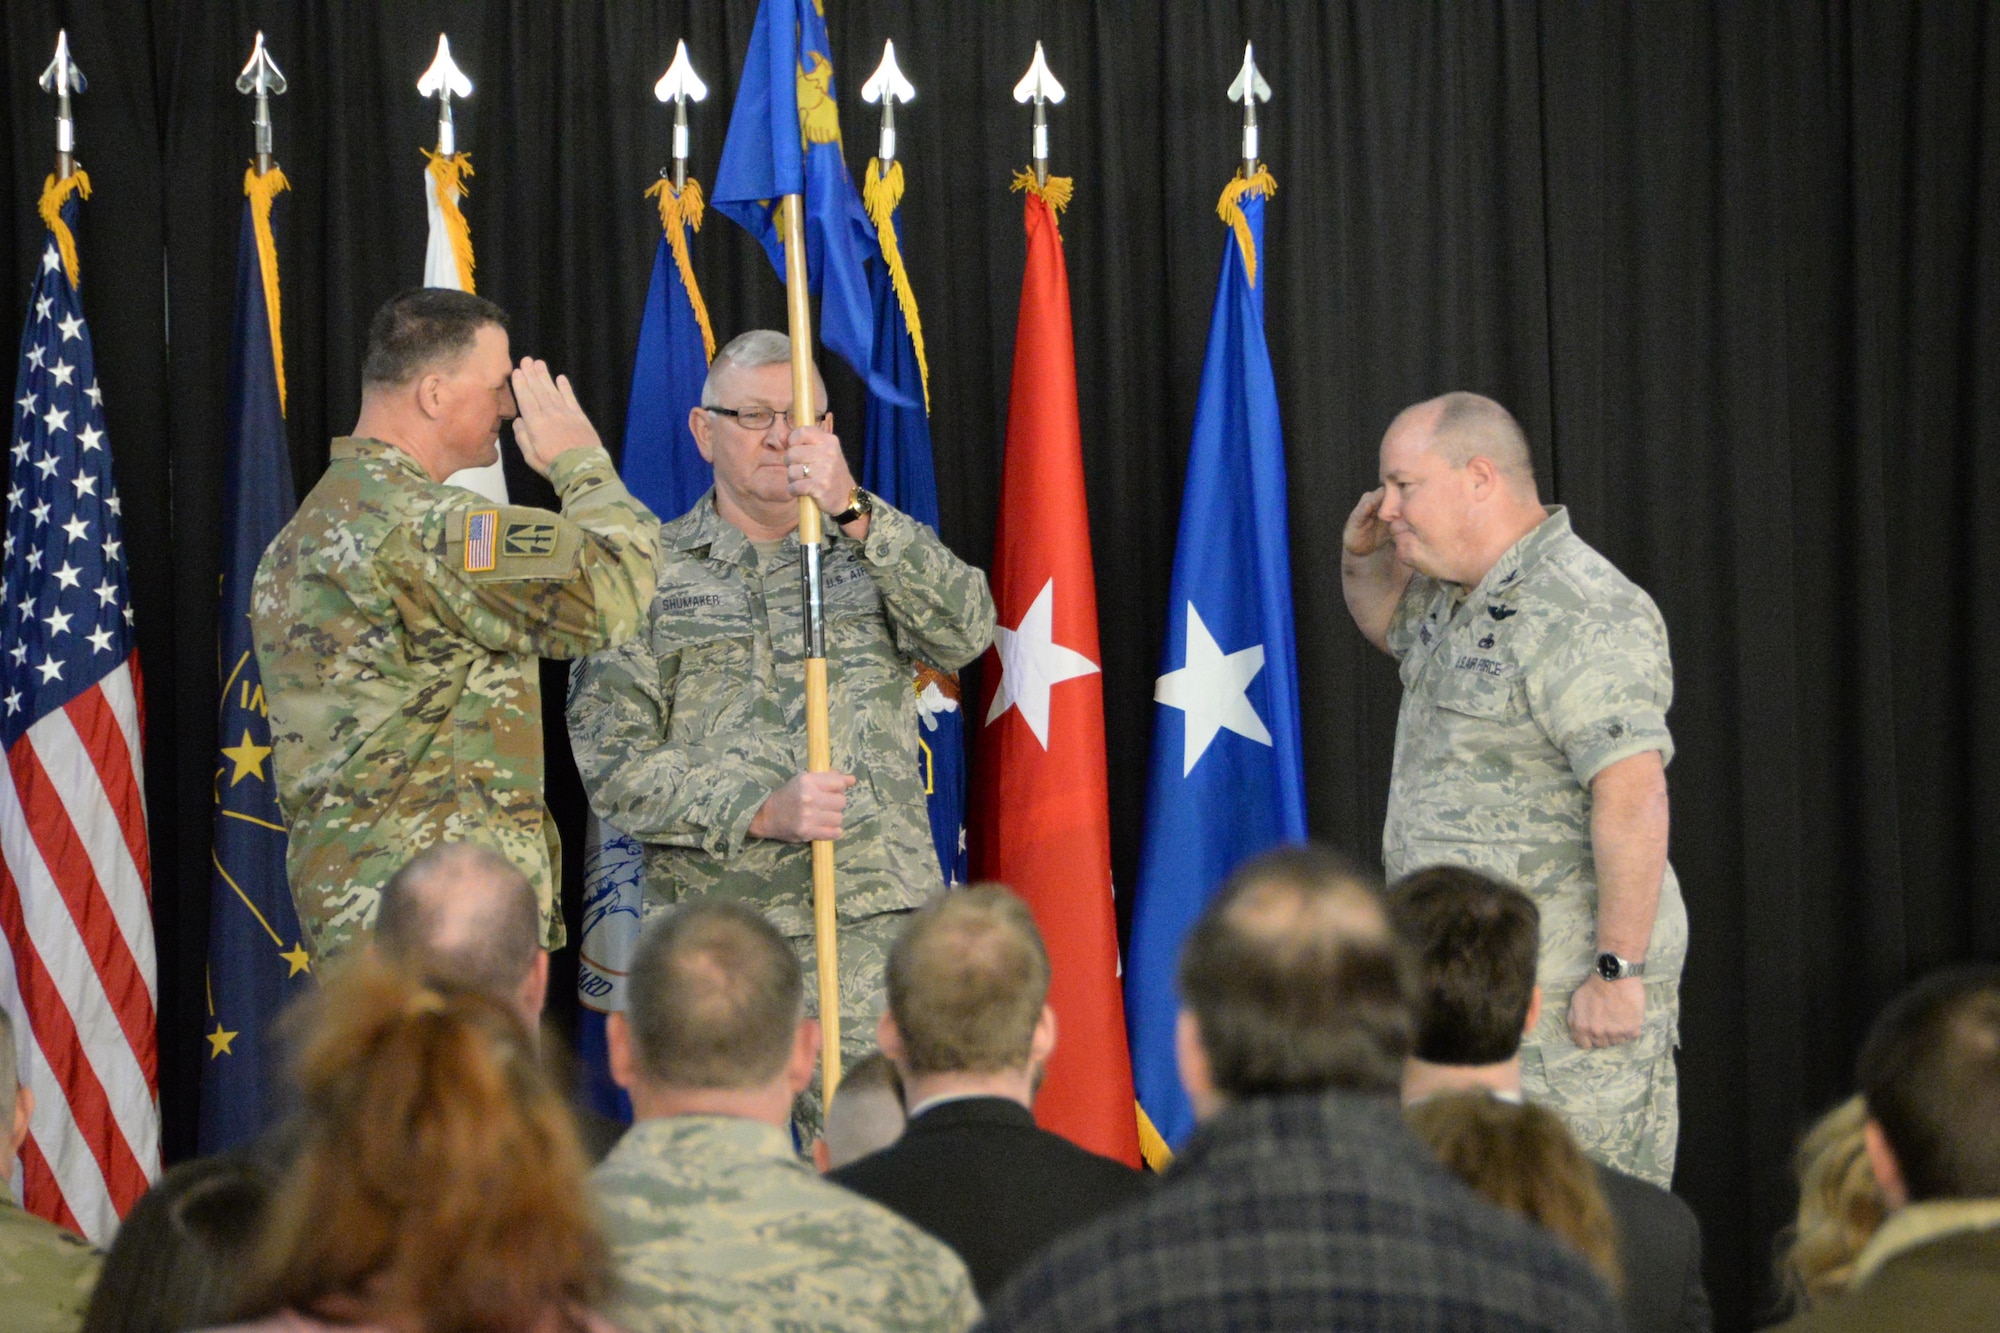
column 1365, row 532
column 551, row 421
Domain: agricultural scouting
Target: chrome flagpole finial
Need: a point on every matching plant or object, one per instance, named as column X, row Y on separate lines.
column 1039, row 86
column 680, row 85
column 62, row 78
column 445, row 81
column 888, row 86
column 261, row 78
column 1249, row 89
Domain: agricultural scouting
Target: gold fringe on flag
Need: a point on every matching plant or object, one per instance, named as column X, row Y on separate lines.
column 880, row 193
column 54, row 193
column 1152, row 1148
column 1056, row 194
column 261, row 190
column 1230, row 209
column 449, row 174
column 679, row 214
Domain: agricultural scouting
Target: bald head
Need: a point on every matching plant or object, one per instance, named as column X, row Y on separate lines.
column 463, row 914
column 1464, row 426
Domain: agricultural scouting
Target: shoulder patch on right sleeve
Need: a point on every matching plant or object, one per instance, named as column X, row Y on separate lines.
column 481, row 540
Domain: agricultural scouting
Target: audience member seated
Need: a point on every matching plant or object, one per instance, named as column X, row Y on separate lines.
column 464, row 915
column 970, row 1030
column 866, row 1116
column 1303, row 1200
column 177, row 1262
column 714, row 1222
column 1524, row 1159
column 1930, row 1079
column 46, row 1273
column 1473, row 942
column 437, row 1182
column 1840, row 1207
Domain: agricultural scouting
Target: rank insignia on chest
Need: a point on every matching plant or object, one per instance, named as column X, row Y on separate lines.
column 480, row 527
column 530, row 540
column 1499, row 612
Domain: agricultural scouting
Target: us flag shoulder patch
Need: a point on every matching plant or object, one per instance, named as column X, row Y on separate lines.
column 481, row 525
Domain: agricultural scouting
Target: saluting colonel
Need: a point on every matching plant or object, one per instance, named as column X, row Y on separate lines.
column 691, row 738
column 398, row 620
column 1532, row 744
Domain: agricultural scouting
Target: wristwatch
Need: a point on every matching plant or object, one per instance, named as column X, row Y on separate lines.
column 1613, row 968
column 859, row 504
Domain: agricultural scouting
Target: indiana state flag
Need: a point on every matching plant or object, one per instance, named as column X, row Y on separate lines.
column 1226, row 780
column 256, row 954
column 898, row 467
column 784, row 138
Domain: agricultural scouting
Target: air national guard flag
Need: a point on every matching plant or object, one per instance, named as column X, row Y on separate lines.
column 898, row 467
column 664, row 469
column 77, row 972
column 1041, row 797
column 256, row 954
column 784, row 138
column 1227, row 780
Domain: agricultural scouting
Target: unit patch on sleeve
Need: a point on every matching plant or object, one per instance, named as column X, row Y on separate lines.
column 480, row 527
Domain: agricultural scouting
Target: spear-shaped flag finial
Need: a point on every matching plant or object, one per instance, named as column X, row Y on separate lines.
column 62, row 78
column 444, row 80
column 262, row 78
column 680, row 85
column 888, row 86
column 1249, row 89
column 1040, row 87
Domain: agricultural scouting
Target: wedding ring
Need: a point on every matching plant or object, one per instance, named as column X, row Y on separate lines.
column 806, row 469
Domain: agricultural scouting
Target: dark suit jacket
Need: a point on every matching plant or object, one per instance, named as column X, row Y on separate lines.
column 1307, row 1212
column 983, row 1178
column 1659, row 1249
column 1950, row 1285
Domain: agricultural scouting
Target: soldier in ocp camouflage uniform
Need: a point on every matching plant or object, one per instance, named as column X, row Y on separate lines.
column 398, row 620
column 714, row 1223
column 1531, row 744
column 46, row 1273
column 692, row 739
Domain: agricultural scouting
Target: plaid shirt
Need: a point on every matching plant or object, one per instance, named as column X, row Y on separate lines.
column 1301, row 1212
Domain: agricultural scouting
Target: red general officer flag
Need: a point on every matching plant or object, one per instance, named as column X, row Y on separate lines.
column 1041, row 808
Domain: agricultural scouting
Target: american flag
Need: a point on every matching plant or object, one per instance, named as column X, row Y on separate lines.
column 75, row 903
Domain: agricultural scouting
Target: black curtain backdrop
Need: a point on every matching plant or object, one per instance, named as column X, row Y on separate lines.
column 1736, row 267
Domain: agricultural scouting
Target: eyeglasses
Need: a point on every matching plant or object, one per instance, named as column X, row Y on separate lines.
column 756, row 419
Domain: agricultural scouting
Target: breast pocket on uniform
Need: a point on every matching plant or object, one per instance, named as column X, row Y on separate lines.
column 1480, row 687
column 711, row 631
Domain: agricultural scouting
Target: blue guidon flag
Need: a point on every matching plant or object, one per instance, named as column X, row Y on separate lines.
column 1227, row 780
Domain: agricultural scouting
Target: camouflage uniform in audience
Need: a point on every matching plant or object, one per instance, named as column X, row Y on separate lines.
column 398, row 622
column 715, row 1224
column 46, row 1274
column 682, row 733
column 1515, row 696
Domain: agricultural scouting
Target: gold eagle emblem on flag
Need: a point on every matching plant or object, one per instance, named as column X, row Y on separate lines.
column 819, row 114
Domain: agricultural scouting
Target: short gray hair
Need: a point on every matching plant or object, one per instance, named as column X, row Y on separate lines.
column 746, row 351
column 1471, row 425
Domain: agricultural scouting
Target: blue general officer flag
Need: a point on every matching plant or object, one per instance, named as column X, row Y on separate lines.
column 257, row 959
column 784, row 138
column 1226, row 781
column 898, row 467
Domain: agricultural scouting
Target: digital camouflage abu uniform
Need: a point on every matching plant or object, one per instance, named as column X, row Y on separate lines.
column 682, row 733
column 715, row 1224
column 46, row 1274
column 398, row 622
column 1514, row 697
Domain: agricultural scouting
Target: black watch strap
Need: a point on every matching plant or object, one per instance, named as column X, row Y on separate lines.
column 858, row 504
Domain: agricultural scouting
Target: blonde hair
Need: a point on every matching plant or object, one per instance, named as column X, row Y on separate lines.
column 1523, row 1158
column 1840, row 1206
column 438, row 1175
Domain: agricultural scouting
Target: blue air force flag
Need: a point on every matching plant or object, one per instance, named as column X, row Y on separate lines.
column 1226, row 780
column 256, row 953
column 898, row 467
column 784, row 138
